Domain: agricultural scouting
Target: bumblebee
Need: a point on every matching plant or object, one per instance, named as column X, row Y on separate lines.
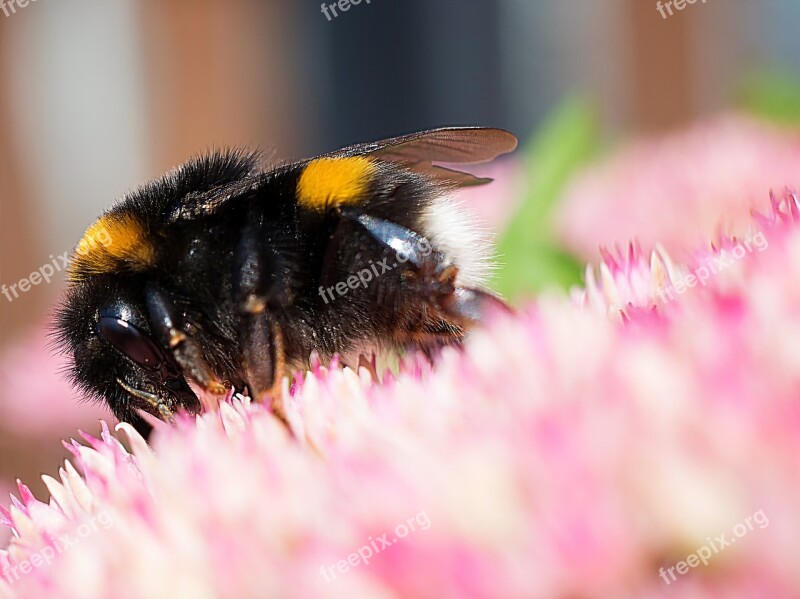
column 222, row 274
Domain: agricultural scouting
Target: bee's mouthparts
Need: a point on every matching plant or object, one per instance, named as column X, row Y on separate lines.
column 153, row 400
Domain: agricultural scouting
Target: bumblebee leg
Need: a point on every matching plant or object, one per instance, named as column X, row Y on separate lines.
column 186, row 350
column 260, row 335
column 261, row 338
column 467, row 306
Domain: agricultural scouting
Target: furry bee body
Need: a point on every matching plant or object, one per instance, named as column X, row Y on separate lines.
column 221, row 274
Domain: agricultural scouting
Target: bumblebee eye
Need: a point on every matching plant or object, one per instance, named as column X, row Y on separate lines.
column 131, row 341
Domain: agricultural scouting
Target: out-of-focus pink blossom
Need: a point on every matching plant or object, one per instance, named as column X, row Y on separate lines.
column 36, row 398
column 679, row 188
column 494, row 205
column 37, row 406
column 562, row 454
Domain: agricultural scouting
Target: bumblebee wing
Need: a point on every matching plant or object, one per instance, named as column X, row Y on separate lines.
column 453, row 145
column 419, row 152
column 457, row 145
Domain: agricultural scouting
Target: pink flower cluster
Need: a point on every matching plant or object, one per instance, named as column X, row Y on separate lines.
column 562, row 454
column 677, row 189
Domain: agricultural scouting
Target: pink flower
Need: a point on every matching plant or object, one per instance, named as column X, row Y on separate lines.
column 561, row 454
column 627, row 281
column 495, row 204
column 36, row 399
column 673, row 190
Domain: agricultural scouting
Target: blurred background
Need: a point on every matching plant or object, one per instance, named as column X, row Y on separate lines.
column 97, row 97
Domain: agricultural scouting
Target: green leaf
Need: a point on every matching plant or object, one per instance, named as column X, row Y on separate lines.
column 531, row 259
column 772, row 96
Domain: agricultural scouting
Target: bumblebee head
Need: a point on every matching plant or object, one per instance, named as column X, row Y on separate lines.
column 115, row 356
column 104, row 323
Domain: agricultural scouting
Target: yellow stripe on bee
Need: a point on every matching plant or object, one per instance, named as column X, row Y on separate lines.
column 112, row 241
column 327, row 182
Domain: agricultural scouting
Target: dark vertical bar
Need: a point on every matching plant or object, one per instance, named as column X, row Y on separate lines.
column 660, row 62
column 219, row 76
column 18, row 250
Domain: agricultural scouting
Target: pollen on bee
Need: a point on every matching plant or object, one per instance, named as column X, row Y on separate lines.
column 111, row 241
column 327, row 182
